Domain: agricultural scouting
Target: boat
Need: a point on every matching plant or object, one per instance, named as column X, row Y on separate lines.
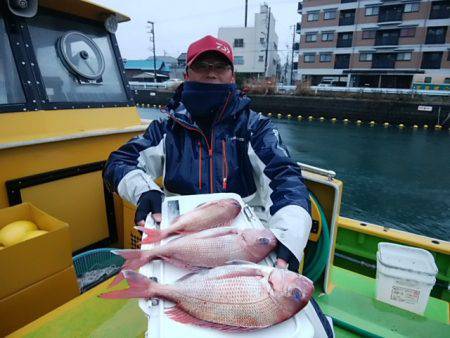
column 65, row 105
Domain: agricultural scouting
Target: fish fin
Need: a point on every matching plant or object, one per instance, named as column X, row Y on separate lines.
column 213, row 233
column 197, row 272
column 140, row 287
column 241, row 273
column 130, row 253
column 179, row 315
column 153, row 235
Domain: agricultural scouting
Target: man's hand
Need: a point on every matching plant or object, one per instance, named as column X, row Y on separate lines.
column 285, row 258
column 149, row 202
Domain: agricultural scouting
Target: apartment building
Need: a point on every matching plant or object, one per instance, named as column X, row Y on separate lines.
column 375, row 43
column 250, row 45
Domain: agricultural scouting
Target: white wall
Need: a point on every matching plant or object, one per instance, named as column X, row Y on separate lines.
column 252, row 47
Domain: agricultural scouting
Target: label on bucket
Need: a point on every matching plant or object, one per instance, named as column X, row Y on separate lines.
column 405, row 295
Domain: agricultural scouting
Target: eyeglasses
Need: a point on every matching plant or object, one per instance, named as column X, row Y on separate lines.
column 206, row 67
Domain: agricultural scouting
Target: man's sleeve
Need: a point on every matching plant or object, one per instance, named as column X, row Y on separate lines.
column 288, row 197
column 131, row 170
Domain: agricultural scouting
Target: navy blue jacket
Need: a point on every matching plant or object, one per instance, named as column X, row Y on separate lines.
column 244, row 155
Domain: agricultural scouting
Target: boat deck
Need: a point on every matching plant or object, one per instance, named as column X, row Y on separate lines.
column 352, row 305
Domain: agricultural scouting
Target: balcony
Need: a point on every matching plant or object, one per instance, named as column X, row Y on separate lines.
column 387, row 38
column 382, row 61
column 431, row 60
column 390, row 13
column 299, row 8
column 440, row 10
column 344, row 40
column 347, row 18
column 342, row 61
column 298, row 28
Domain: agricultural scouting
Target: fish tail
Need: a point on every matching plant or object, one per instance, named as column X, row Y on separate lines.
column 134, row 260
column 140, row 287
column 153, row 235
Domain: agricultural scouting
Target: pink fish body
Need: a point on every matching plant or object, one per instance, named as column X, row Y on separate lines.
column 205, row 249
column 231, row 298
column 207, row 216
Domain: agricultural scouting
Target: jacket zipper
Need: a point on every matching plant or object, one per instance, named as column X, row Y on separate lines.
column 225, row 165
column 200, row 166
column 210, row 145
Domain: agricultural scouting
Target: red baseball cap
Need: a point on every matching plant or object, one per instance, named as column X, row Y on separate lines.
column 209, row 44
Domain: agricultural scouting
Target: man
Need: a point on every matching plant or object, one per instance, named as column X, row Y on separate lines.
column 213, row 143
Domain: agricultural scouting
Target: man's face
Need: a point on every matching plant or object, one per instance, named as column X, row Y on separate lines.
column 210, row 68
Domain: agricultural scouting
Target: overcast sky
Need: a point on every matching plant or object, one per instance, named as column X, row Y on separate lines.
column 180, row 22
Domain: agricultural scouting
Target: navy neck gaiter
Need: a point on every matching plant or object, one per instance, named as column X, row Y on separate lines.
column 204, row 100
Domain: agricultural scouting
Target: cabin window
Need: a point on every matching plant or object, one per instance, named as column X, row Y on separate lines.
column 76, row 60
column 10, row 87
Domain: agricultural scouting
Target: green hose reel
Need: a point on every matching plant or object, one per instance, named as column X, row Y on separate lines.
column 318, row 257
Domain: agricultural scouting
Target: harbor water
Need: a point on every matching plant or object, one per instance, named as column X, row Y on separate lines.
column 399, row 178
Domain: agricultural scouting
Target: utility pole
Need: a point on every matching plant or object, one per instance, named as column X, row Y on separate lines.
column 246, row 9
column 285, row 66
column 292, row 55
column 152, row 39
column 267, row 43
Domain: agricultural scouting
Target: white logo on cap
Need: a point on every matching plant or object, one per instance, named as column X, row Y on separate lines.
column 222, row 47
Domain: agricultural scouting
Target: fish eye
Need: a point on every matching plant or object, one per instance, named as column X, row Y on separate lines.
column 297, row 294
column 263, row 241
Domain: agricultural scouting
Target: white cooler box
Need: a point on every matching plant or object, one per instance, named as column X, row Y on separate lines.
column 405, row 276
column 161, row 326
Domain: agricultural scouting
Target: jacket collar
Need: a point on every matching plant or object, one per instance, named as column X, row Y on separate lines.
column 237, row 102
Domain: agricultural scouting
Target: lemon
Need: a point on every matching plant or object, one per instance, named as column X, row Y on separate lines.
column 13, row 232
column 32, row 234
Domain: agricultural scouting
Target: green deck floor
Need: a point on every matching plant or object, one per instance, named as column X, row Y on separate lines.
column 353, row 301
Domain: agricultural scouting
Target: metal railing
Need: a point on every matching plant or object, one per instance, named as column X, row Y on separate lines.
column 396, row 91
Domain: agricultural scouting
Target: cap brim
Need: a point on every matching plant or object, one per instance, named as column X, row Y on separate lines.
column 211, row 51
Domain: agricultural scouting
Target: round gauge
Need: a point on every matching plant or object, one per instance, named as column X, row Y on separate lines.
column 81, row 55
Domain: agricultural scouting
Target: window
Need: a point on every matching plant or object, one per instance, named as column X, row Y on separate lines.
column 261, row 58
column 309, row 58
column 329, row 14
column 365, row 56
column 238, row 60
column 262, row 41
column 409, row 32
column 239, row 43
column 10, row 88
column 428, row 79
column 436, row 35
column 412, row 7
column 406, row 56
column 372, row 11
column 60, row 84
column 325, row 57
column 311, row 37
column 369, row 34
column 327, row 36
column 313, row 16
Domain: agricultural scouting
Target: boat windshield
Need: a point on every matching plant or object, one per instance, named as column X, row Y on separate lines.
column 76, row 60
column 10, row 87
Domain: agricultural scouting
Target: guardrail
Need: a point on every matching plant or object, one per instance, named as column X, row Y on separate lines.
column 381, row 91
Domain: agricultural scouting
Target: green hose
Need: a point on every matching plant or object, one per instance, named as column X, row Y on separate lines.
column 315, row 267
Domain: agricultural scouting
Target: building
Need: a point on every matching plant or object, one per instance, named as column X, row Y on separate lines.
column 375, row 43
column 143, row 70
column 254, row 55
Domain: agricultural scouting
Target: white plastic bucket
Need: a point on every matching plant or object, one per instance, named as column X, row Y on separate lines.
column 405, row 276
